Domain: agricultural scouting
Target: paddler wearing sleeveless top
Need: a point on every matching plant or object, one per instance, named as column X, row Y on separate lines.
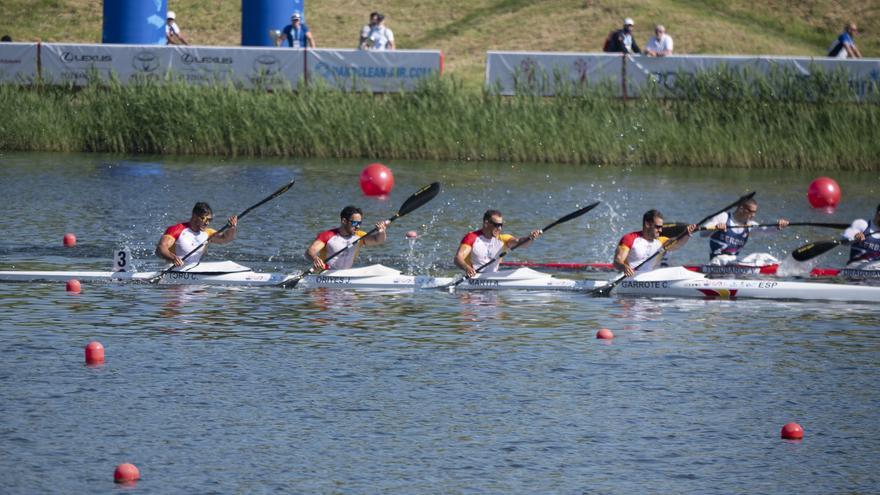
column 864, row 252
column 636, row 247
column 178, row 240
column 331, row 241
column 480, row 246
column 731, row 232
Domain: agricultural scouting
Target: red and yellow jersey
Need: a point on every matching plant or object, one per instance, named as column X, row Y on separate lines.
column 638, row 249
column 185, row 240
column 334, row 241
column 484, row 249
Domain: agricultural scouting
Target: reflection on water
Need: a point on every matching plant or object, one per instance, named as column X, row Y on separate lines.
column 326, row 391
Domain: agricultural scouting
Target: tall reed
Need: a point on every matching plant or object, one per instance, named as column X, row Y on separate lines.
column 718, row 119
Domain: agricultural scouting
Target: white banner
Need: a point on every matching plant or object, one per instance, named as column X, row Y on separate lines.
column 18, row 63
column 509, row 73
column 244, row 66
column 76, row 64
column 543, row 73
column 376, row 71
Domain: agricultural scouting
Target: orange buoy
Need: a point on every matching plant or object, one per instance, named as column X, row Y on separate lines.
column 792, row 431
column 74, row 286
column 376, row 180
column 126, row 473
column 69, row 240
column 94, row 353
column 824, row 192
column 604, row 333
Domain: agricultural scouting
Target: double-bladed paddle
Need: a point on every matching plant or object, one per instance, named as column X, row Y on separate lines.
column 674, row 229
column 241, row 215
column 813, row 249
column 606, row 289
column 415, row 201
column 570, row 216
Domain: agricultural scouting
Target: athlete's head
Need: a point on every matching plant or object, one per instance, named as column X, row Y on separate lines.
column 746, row 210
column 652, row 223
column 201, row 216
column 351, row 217
column 492, row 221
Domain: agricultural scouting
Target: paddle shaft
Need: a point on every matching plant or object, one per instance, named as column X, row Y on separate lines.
column 611, row 285
column 241, row 215
column 570, row 216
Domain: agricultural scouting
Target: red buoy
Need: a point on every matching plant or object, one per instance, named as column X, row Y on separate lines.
column 823, row 192
column 69, row 240
column 126, row 473
column 792, row 431
column 74, row 286
column 604, row 333
column 412, row 234
column 94, row 353
column 376, row 180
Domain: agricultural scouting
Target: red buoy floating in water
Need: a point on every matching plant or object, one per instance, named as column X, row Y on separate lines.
column 792, row 431
column 126, row 473
column 412, row 234
column 824, row 192
column 376, row 180
column 94, row 353
column 604, row 334
column 69, row 240
column 74, row 286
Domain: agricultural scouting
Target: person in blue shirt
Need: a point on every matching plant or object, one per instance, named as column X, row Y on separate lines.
column 296, row 33
column 844, row 46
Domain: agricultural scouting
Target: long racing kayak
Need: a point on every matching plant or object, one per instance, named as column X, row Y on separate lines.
column 734, row 269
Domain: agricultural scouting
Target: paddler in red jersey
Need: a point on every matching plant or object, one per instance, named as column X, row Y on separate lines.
column 334, row 240
column 636, row 247
column 178, row 240
column 480, row 246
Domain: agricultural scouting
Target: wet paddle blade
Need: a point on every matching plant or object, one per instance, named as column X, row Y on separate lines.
column 813, row 249
column 419, row 198
column 572, row 216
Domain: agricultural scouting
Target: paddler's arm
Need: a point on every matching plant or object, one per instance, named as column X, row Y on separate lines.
column 513, row 241
column 378, row 237
column 681, row 240
column 620, row 262
column 461, row 260
column 313, row 254
column 163, row 250
column 227, row 235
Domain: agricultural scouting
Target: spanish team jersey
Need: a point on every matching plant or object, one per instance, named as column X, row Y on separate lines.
column 186, row 239
column 334, row 242
column 483, row 249
column 639, row 249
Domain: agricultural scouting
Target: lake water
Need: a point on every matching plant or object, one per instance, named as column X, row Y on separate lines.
column 230, row 390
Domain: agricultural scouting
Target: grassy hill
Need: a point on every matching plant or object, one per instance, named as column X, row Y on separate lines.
column 465, row 30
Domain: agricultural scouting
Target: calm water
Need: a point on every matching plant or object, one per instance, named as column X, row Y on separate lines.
column 224, row 390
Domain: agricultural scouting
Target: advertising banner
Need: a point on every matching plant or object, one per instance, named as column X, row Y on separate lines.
column 510, row 73
column 376, row 71
column 77, row 64
column 18, row 63
column 245, row 66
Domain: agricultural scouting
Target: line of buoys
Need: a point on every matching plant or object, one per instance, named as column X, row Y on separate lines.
column 604, row 334
column 126, row 473
column 74, row 286
column 792, row 431
column 69, row 240
column 94, row 353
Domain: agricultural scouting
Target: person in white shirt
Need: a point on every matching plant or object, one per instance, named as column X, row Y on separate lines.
column 173, row 36
column 381, row 38
column 660, row 45
column 366, row 30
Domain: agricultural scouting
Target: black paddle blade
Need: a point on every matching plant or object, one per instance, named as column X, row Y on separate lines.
column 813, row 249
column 572, row 216
column 736, row 203
column 419, row 198
column 272, row 196
column 674, row 229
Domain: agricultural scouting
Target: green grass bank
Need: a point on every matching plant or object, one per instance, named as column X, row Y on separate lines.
column 718, row 120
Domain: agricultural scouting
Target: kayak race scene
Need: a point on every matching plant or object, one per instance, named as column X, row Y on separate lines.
column 575, row 247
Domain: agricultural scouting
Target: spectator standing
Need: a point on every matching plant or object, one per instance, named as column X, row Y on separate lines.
column 296, row 33
column 381, row 38
column 660, row 45
column 844, row 46
column 622, row 41
column 367, row 30
column 173, row 36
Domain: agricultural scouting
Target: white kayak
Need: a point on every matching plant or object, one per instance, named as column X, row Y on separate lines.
column 681, row 282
